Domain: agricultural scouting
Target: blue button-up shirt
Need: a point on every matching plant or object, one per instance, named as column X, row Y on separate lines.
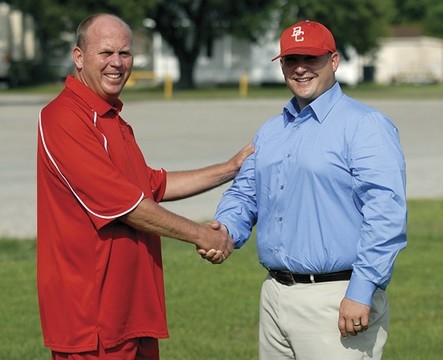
column 326, row 188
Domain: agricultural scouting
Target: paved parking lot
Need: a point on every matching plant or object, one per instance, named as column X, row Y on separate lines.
column 190, row 134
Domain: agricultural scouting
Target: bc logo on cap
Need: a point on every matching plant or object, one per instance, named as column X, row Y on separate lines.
column 297, row 34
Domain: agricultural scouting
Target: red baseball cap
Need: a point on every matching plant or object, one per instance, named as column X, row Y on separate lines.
column 306, row 38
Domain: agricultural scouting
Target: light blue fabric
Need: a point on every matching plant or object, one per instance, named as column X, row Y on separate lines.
column 326, row 188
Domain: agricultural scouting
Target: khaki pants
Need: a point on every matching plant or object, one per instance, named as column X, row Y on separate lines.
column 301, row 322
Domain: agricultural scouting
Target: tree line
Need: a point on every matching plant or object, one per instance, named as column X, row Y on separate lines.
column 189, row 26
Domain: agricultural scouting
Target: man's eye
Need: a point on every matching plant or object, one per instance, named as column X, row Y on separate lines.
column 289, row 61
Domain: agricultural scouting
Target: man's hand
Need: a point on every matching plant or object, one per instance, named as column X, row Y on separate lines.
column 238, row 159
column 353, row 317
column 213, row 255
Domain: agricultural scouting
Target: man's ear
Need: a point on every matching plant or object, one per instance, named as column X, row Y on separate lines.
column 77, row 55
column 335, row 57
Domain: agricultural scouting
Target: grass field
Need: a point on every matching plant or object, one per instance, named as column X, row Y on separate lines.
column 213, row 310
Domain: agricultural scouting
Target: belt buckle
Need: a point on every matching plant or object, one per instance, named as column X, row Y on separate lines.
column 312, row 278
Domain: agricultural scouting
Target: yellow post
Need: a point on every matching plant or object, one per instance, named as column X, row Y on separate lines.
column 243, row 85
column 168, row 87
column 131, row 81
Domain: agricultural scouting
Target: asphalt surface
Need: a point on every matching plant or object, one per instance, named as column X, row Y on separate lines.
column 179, row 135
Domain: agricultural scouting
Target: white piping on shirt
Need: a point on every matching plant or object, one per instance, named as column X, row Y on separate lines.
column 105, row 140
column 40, row 125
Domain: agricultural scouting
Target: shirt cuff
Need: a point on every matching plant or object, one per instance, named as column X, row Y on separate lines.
column 236, row 243
column 360, row 290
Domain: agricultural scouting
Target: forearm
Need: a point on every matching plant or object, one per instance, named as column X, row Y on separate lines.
column 183, row 184
column 187, row 183
column 148, row 216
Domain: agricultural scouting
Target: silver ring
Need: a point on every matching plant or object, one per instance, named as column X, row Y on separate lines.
column 357, row 324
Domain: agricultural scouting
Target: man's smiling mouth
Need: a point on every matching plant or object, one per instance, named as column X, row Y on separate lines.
column 114, row 76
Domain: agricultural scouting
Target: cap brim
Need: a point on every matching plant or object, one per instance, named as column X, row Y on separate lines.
column 303, row 51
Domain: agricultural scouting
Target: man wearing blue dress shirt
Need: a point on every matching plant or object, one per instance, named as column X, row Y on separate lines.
column 326, row 189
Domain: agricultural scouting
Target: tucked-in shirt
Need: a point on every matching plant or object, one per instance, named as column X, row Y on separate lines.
column 326, row 189
column 97, row 277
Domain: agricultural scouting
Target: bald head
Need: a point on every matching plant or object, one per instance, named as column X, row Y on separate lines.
column 82, row 29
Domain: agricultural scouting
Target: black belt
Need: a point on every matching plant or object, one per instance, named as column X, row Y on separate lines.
column 288, row 278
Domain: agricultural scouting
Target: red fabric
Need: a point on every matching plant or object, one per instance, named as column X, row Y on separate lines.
column 306, row 38
column 95, row 275
column 134, row 349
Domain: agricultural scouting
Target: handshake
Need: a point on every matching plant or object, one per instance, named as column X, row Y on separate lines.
column 218, row 246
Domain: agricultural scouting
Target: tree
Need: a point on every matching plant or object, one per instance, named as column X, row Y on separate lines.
column 433, row 24
column 189, row 26
column 54, row 18
column 192, row 25
column 424, row 14
column 411, row 12
column 354, row 23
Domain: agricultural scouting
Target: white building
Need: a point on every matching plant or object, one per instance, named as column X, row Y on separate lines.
column 18, row 45
column 232, row 58
column 399, row 59
column 417, row 59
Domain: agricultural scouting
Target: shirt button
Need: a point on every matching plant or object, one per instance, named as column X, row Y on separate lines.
column 298, row 127
column 275, row 251
column 282, row 187
column 288, row 155
column 279, row 219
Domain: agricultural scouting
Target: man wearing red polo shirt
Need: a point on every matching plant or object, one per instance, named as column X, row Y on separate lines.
column 99, row 267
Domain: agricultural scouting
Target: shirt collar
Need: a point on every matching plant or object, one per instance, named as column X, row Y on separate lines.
column 98, row 104
column 319, row 108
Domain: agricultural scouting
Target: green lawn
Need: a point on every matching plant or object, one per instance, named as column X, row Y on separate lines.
column 213, row 310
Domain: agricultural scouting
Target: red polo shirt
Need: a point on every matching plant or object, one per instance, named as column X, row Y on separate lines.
column 96, row 276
